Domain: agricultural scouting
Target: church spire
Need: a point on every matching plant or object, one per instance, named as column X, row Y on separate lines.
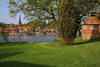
column 19, row 23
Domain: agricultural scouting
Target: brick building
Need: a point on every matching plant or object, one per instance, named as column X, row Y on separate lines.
column 91, row 28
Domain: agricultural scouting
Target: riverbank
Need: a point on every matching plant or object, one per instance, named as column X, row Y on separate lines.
column 52, row 54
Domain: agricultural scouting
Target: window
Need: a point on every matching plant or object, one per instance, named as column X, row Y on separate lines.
column 91, row 21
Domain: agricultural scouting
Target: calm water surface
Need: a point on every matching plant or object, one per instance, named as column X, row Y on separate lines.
column 27, row 39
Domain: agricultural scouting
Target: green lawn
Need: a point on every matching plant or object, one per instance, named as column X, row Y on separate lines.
column 79, row 54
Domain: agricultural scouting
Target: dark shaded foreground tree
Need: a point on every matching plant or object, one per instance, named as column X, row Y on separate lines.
column 70, row 15
column 68, row 26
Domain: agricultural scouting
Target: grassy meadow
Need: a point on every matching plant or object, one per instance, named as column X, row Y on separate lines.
column 53, row 54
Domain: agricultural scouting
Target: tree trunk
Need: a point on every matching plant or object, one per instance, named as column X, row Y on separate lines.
column 68, row 40
column 58, row 35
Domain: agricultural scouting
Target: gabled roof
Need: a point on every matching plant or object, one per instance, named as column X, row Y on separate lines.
column 92, row 20
column 23, row 27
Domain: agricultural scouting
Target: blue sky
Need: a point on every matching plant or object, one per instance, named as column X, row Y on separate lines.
column 4, row 14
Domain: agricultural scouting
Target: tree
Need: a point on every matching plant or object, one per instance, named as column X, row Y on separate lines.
column 67, row 21
column 36, row 9
column 70, row 15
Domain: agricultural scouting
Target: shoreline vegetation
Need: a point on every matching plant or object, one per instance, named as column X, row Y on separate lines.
column 52, row 54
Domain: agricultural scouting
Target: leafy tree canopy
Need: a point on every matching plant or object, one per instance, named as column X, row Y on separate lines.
column 34, row 9
column 48, row 9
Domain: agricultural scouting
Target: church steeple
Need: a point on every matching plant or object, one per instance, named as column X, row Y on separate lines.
column 19, row 23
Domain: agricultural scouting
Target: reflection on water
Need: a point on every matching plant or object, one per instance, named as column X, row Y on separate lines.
column 27, row 39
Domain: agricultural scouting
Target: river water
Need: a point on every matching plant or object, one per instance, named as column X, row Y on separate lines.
column 27, row 39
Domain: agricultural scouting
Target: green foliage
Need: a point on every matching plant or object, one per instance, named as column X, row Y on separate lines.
column 67, row 19
column 87, row 5
column 35, row 9
column 48, row 9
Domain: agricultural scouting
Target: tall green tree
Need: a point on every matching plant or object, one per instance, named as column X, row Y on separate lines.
column 68, row 26
column 36, row 9
column 70, row 15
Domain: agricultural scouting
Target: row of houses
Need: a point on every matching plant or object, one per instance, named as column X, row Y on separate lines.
column 19, row 28
column 47, row 31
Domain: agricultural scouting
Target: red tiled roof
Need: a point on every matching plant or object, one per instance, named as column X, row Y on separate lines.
column 95, row 20
column 23, row 27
